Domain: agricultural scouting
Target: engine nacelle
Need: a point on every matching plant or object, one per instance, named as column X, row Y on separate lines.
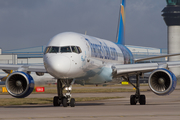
column 162, row 82
column 19, row 84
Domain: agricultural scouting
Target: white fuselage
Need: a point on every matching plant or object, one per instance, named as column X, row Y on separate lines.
column 75, row 56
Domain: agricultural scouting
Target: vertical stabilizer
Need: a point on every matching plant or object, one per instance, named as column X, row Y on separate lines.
column 121, row 29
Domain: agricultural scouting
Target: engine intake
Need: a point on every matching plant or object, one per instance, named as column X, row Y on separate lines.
column 19, row 84
column 162, row 82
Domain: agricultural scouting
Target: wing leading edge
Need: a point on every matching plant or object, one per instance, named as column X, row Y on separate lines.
column 134, row 69
column 26, row 68
column 155, row 57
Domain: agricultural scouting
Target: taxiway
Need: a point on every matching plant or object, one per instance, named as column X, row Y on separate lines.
column 158, row 107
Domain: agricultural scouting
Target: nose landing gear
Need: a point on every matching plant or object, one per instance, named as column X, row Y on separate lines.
column 66, row 99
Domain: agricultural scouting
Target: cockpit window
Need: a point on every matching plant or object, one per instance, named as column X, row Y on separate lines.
column 65, row 49
column 79, row 49
column 54, row 50
column 47, row 50
column 74, row 49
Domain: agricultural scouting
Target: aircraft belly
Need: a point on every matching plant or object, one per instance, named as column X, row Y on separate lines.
column 96, row 76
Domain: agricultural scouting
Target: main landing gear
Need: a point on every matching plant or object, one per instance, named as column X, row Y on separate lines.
column 66, row 99
column 137, row 97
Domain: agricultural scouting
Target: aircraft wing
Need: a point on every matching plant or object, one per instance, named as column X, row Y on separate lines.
column 155, row 57
column 27, row 68
column 132, row 69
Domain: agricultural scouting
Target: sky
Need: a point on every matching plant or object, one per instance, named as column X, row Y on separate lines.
column 30, row 23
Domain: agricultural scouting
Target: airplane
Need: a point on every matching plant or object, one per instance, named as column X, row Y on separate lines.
column 72, row 57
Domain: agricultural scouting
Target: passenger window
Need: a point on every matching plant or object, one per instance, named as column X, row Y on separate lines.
column 79, row 50
column 74, row 49
column 65, row 49
column 54, row 50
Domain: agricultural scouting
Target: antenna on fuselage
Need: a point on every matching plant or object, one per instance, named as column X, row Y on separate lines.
column 85, row 32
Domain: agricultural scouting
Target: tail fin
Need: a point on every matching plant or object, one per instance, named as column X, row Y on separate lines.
column 121, row 29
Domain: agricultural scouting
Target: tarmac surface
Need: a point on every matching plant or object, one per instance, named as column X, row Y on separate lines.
column 157, row 107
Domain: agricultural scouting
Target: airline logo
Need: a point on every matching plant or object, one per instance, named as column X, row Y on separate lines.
column 102, row 51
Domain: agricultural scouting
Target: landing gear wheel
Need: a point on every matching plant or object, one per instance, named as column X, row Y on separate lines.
column 64, row 102
column 133, row 100
column 142, row 100
column 56, row 101
column 72, row 102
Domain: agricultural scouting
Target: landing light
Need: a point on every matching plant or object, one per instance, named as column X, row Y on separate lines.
column 68, row 88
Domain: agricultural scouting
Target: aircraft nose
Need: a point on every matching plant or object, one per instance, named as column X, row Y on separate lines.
column 58, row 66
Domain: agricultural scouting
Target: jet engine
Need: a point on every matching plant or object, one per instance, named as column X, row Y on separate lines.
column 19, row 84
column 162, row 82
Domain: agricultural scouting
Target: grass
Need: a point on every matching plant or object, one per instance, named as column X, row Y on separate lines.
column 52, row 89
column 84, row 89
column 40, row 101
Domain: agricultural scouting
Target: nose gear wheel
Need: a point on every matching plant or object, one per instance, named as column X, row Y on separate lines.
column 66, row 99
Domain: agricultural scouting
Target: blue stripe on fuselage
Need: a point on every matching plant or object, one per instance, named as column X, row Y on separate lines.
column 128, row 56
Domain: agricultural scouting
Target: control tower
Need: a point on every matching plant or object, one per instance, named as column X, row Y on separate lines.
column 171, row 15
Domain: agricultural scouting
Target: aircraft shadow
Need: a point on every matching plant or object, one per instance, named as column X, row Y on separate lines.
column 48, row 106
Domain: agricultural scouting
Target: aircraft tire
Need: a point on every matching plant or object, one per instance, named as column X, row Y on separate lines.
column 133, row 100
column 72, row 102
column 142, row 100
column 64, row 102
column 56, row 101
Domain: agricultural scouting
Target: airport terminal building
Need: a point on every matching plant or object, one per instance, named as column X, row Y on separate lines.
column 34, row 55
